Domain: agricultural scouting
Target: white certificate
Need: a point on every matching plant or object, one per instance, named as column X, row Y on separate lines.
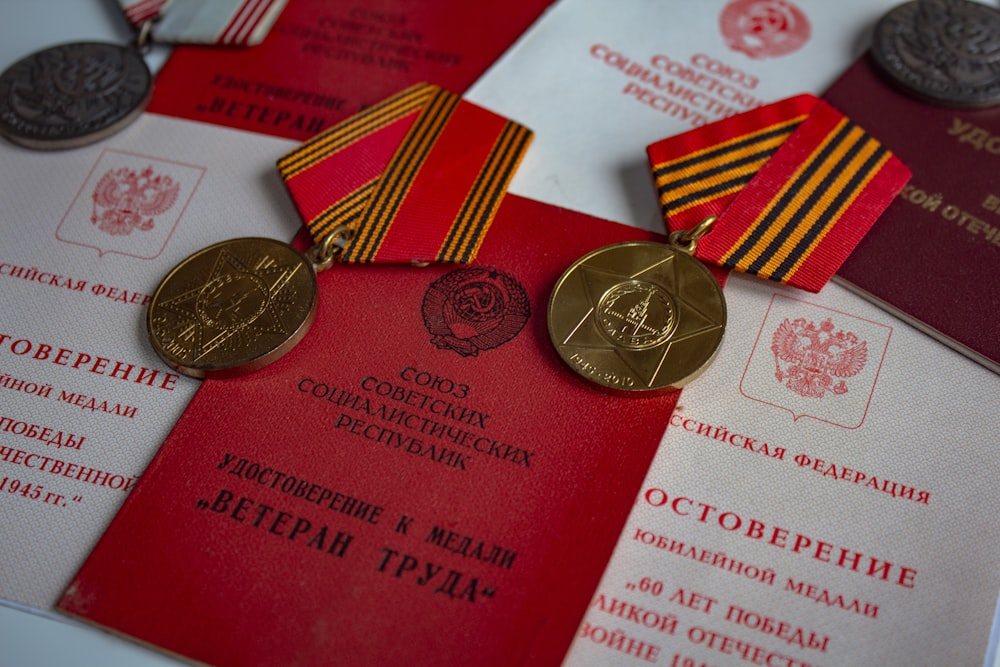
column 87, row 235
column 599, row 81
column 825, row 494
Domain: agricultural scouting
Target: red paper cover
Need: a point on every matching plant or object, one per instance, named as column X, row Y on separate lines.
column 554, row 490
column 931, row 257
column 325, row 60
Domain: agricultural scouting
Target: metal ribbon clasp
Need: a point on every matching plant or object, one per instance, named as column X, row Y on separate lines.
column 323, row 254
column 686, row 240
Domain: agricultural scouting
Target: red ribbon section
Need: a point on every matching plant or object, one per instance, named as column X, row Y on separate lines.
column 795, row 186
column 417, row 177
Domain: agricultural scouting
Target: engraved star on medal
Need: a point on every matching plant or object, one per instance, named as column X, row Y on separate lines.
column 233, row 307
column 239, row 305
column 637, row 317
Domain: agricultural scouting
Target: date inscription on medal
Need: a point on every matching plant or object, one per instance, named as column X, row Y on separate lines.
column 232, row 308
column 637, row 317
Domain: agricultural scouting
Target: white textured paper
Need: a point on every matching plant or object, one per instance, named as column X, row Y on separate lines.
column 907, row 478
column 567, row 79
column 87, row 235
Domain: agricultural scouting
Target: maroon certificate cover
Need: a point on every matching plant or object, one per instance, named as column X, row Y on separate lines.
column 421, row 481
column 932, row 257
column 325, row 60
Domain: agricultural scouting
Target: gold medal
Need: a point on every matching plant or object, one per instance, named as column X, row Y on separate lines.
column 237, row 306
column 234, row 307
column 638, row 317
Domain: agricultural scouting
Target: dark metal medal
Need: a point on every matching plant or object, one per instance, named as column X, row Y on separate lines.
column 233, row 308
column 944, row 52
column 73, row 94
column 637, row 317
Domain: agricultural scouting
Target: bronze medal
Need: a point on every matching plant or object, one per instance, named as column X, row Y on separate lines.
column 637, row 317
column 73, row 94
column 945, row 52
column 233, row 307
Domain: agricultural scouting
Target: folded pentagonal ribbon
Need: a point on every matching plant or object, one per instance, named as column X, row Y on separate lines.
column 795, row 186
column 417, row 178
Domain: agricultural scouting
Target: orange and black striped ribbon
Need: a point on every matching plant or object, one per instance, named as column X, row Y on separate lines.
column 795, row 186
column 417, row 177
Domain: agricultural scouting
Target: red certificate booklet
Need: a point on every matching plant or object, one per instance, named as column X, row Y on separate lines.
column 931, row 258
column 421, row 481
column 325, row 60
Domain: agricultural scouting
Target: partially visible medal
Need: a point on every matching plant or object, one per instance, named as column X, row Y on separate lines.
column 783, row 192
column 638, row 317
column 945, row 52
column 414, row 179
column 75, row 94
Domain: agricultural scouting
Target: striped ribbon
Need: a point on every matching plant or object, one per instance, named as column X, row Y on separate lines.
column 418, row 177
column 795, row 186
column 221, row 22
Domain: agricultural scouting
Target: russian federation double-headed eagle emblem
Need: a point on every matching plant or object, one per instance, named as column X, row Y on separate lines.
column 125, row 200
column 812, row 360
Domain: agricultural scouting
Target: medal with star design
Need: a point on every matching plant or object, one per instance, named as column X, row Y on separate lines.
column 233, row 307
column 415, row 179
column 637, row 317
column 782, row 192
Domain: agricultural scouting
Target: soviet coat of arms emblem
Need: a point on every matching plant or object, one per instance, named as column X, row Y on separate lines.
column 473, row 309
